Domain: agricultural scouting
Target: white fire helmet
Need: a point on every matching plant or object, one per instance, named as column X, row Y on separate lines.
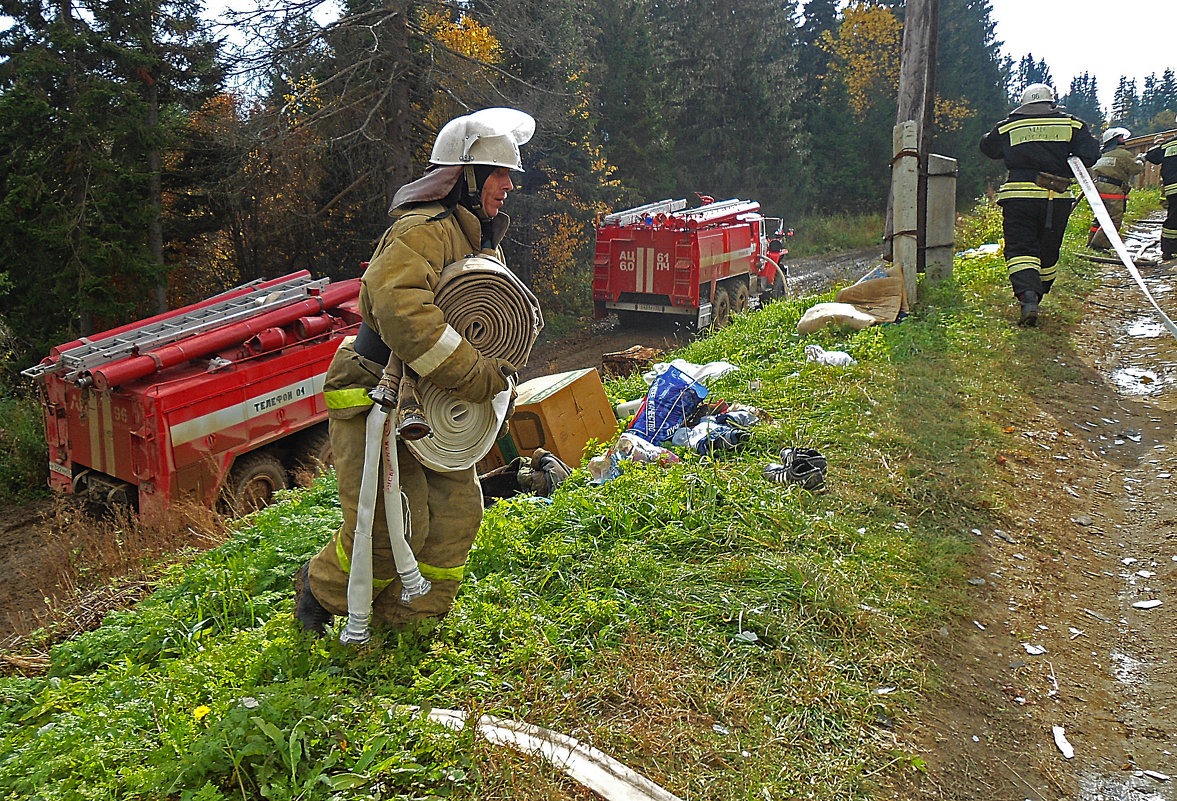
column 1037, row 93
column 1112, row 133
column 489, row 136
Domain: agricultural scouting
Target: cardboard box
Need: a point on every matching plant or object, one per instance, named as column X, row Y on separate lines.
column 501, row 453
column 561, row 413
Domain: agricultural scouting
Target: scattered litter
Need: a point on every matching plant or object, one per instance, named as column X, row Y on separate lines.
column 1151, row 604
column 1019, row 557
column 1034, row 650
column 999, row 533
column 885, row 690
column 669, row 402
column 1161, row 777
column 1081, row 520
column 1071, row 492
column 976, row 739
column 703, row 373
column 747, row 636
column 982, row 250
column 977, row 532
column 1060, row 739
column 724, row 730
column 1145, row 573
column 978, row 625
column 628, row 448
column 830, row 358
column 1076, row 632
column 977, row 582
column 1128, row 561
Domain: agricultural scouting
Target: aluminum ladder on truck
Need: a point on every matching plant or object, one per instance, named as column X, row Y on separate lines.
column 638, row 213
column 78, row 361
column 724, row 208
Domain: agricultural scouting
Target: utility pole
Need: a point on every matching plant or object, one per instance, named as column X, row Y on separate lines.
column 907, row 206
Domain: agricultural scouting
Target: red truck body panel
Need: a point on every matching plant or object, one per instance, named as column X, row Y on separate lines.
column 173, row 431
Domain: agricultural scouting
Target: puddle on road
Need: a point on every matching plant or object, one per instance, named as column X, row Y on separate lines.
column 1106, row 788
column 1137, row 381
column 1127, row 670
column 1145, row 328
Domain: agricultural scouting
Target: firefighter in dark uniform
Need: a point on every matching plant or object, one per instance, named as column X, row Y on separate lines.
column 446, row 215
column 1035, row 141
column 1113, row 174
column 1164, row 153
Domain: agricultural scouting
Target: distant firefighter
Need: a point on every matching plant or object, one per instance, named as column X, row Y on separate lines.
column 1113, row 174
column 1164, row 152
column 1035, row 141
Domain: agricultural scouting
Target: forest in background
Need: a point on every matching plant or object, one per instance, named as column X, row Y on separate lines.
column 150, row 158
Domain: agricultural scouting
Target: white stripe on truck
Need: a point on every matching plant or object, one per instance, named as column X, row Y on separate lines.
column 238, row 413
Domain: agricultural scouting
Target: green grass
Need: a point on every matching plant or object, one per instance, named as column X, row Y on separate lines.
column 612, row 613
column 23, row 469
column 815, row 236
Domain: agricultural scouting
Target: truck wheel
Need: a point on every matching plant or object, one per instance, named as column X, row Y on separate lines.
column 313, row 456
column 721, row 308
column 253, row 482
column 631, row 319
column 740, row 303
column 778, row 284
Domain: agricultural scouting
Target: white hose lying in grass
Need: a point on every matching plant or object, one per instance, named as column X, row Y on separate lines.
column 594, row 769
column 1109, row 229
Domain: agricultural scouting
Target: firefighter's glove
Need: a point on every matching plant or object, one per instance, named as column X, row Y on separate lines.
column 487, row 379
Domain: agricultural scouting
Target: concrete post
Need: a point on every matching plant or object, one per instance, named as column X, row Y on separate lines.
column 905, row 178
column 941, row 217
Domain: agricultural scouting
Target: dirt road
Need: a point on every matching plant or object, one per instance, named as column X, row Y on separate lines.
column 1073, row 622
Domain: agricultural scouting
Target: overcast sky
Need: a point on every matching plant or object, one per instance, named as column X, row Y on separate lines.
column 1124, row 37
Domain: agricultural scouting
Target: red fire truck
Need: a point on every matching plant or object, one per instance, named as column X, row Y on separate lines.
column 218, row 401
column 700, row 264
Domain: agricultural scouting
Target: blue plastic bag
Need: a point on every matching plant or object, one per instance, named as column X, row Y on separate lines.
column 670, row 400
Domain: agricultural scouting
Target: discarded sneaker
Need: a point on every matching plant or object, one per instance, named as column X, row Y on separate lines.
column 1029, row 309
column 802, row 466
column 310, row 613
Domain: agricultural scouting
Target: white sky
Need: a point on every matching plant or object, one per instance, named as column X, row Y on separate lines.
column 1108, row 40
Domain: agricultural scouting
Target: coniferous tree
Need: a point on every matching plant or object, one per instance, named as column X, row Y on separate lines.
column 1030, row 72
column 87, row 105
column 1125, row 103
column 1082, row 100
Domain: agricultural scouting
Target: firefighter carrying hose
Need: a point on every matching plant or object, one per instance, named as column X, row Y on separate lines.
column 1035, row 141
column 1164, row 153
column 1112, row 175
column 450, row 212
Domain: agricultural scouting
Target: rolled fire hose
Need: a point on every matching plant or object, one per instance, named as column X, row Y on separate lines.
column 496, row 313
column 1109, row 229
column 493, row 310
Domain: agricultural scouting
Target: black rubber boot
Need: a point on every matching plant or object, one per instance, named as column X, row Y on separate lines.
column 1029, row 309
column 310, row 613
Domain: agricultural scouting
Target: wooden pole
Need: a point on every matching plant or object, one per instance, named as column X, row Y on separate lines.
column 916, row 104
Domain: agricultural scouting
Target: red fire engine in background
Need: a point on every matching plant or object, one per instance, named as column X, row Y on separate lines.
column 700, row 264
column 220, row 400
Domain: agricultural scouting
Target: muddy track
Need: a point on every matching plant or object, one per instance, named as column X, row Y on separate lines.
column 585, row 349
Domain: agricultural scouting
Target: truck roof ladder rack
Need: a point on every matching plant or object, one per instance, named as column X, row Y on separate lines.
column 720, row 209
column 631, row 216
column 171, row 329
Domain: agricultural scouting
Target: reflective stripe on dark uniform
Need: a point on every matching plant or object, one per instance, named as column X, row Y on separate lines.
column 1036, row 138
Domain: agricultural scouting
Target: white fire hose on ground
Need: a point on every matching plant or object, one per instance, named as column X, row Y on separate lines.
column 493, row 310
column 1109, row 229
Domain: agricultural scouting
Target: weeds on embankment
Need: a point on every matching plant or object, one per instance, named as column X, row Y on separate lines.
column 724, row 635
